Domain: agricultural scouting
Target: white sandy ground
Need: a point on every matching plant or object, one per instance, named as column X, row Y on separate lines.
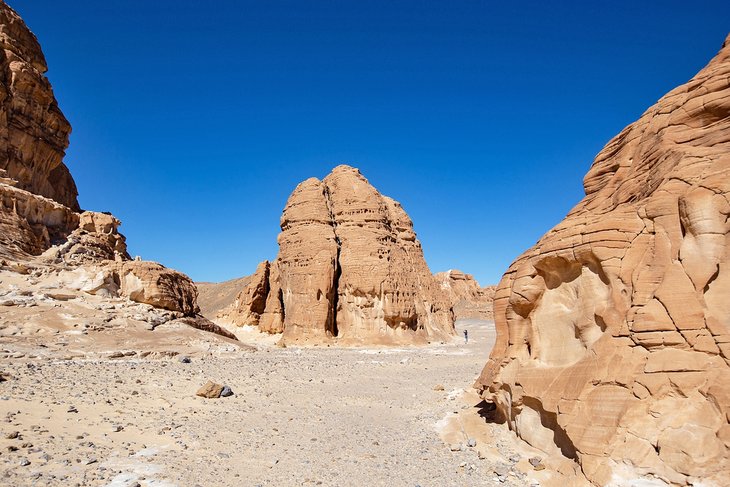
column 315, row 416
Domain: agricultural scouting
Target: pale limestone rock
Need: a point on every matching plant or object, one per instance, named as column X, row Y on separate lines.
column 468, row 299
column 613, row 343
column 349, row 267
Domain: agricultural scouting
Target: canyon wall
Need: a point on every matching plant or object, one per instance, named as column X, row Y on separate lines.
column 40, row 219
column 33, row 131
column 613, row 339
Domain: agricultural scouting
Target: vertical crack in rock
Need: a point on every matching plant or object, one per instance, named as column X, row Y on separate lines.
column 331, row 325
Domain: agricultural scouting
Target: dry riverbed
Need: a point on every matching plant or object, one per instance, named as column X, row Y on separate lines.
column 314, row 416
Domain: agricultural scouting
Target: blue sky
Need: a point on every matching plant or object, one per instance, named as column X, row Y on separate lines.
column 194, row 121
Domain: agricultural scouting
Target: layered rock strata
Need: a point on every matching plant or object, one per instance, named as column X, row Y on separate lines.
column 349, row 267
column 33, row 131
column 468, row 299
column 40, row 220
column 613, row 343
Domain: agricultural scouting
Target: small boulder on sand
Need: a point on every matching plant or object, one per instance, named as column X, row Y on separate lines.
column 210, row 390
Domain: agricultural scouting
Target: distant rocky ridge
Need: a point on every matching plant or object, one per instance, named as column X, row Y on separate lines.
column 349, row 268
column 215, row 297
column 468, row 299
column 613, row 344
column 41, row 225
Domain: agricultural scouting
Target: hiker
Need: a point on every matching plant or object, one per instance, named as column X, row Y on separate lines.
column 466, row 337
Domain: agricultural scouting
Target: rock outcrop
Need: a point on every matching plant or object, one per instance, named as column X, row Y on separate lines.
column 250, row 302
column 40, row 220
column 33, row 131
column 468, row 299
column 613, row 343
column 349, row 267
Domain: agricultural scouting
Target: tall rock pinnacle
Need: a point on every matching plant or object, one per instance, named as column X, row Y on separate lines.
column 350, row 267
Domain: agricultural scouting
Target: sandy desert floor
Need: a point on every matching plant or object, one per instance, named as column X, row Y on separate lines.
column 315, row 416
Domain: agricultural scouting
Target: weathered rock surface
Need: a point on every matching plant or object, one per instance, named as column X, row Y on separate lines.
column 210, row 390
column 154, row 284
column 30, row 224
column 468, row 298
column 41, row 224
column 614, row 330
column 349, row 267
column 250, row 302
column 33, row 131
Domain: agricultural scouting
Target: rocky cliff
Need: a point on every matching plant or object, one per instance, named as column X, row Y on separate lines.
column 468, row 299
column 33, row 131
column 349, row 267
column 614, row 329
column 41, row 225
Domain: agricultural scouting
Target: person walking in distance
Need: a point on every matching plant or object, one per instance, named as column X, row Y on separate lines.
column 466, row 337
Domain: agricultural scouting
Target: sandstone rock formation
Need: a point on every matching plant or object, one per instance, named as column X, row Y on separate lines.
column 468, row 299
column 33, row 131
column 40, row 219
column 349, row 267
column 250, row 302
column 613, row 341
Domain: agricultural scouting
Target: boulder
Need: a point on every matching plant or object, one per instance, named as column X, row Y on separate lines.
column 210, row 390
column 154, row 284
column 33, row 132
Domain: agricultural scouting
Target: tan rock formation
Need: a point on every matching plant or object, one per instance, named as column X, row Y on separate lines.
column 30, row 224
column 614, row 330
column 250, row 303
column 40, row 220
column 210, row 390
column 33, row 131
column 468, row 299
column 349, row 266
column 152, row 283
column 215, row 297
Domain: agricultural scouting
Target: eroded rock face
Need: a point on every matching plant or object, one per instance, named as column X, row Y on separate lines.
column 468, row 299
column 154, row 284
column 614, row 330
column 40, row 220
column 33, row 131
column 30, row 224
column 250, row 303
column 349, row 267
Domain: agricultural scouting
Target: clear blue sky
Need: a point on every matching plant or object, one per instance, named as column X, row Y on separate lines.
column 193, row 121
